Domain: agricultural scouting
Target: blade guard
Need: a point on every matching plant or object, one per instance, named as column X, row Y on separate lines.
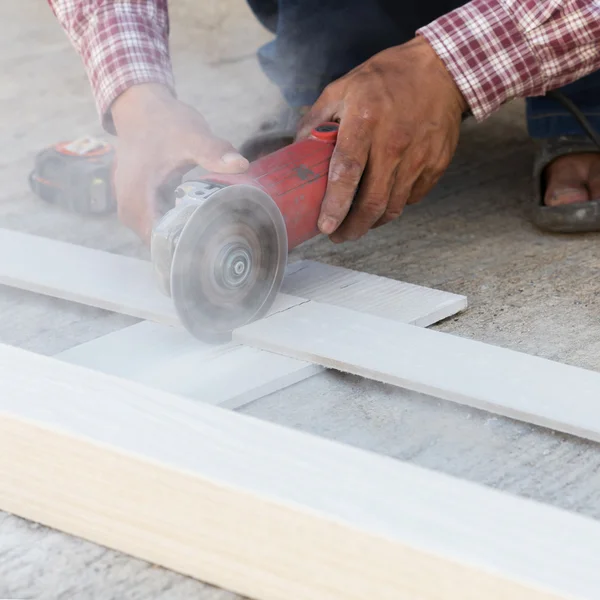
column 229, row 262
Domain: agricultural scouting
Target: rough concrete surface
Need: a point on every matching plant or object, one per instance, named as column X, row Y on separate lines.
column 528, row 291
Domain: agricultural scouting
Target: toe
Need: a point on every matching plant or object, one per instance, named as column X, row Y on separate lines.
column 566, row 179
column 566, row 195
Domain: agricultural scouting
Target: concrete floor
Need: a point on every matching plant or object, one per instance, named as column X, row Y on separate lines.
column 528, row 291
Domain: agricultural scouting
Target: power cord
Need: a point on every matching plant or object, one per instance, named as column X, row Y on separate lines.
column 577, row 114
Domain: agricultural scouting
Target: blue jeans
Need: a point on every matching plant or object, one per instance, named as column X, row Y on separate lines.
column 318, row 41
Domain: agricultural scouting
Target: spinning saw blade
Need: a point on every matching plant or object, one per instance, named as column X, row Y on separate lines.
column 227, row 260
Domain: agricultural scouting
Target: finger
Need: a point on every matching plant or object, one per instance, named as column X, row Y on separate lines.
column 426, row 182
column 215, row 154
column 347, row 165
column 407, row 174
column 402, row 198
column 398, row 200
column 375, row 191
column 165, row 194
column 314, row 119
column 137, row 207
column 136, row 190
column 436, row 166
column 370, row 203
column 325, row 109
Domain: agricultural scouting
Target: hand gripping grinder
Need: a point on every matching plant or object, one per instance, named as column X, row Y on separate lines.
column 221, row 252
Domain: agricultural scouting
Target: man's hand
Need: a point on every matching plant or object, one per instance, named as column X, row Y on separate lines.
column 160, row 137
column 400, row 115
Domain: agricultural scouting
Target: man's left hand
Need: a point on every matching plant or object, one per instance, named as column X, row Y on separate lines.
column 399, row 115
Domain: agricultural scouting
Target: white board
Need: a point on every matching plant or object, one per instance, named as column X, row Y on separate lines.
column 268, row 512
column 101, row 279
column 170, row 359
column 128, row 285
column 371, row 294
column 233, row 375
column 487, row 377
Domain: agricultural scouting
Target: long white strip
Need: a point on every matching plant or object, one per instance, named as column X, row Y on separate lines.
column 371, row 294
column 128, row 286
column 265, row 511
column 101, row 279
column 502, row 381
column 233, row 375
column 170, row 359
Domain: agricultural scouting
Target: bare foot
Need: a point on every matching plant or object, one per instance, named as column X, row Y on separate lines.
column 572, row 179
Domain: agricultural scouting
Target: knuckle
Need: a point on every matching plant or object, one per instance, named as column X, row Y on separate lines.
column 328, row 94
column 445, row 161
column 420, row 161
column 195, row 149
column 398, row 141
column 367, row 114
column 415, row 199
column 444, row 158
column 391, row 214
column 373, row 205
column 398, row 201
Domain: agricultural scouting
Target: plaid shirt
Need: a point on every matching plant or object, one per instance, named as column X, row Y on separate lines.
column 495, row 50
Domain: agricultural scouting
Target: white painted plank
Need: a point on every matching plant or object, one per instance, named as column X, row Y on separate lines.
column 171, row 360
column 265, row 511
column 101, row 279
column 371, row 294
column 93, row 277
column 491, row 378
column 127, row 285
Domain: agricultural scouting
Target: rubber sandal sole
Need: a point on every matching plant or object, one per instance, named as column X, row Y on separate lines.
column 582, row 217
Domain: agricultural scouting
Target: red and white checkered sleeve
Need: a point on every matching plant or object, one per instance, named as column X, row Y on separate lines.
column 121, row 42
column 497, row 50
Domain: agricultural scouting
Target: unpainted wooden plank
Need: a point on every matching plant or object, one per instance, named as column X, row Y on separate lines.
column 263, row 510
column 499, row 380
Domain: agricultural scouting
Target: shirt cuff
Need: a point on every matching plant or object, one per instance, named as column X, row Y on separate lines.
column 487, row 55
column 122, row 49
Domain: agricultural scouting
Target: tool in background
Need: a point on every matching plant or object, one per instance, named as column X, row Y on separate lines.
column 221, row 252
column 76, row 176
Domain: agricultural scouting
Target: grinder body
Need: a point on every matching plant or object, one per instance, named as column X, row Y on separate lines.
column 221, row 252
column 295, row 177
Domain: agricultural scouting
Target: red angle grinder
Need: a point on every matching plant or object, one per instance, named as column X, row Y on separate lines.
column 221, row 253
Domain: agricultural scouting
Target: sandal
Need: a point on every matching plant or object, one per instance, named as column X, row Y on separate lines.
column 568, row 218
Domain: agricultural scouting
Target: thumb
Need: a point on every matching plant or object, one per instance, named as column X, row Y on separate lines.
column 215, row 154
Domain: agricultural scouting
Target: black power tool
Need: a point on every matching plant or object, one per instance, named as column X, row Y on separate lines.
column 76, row 176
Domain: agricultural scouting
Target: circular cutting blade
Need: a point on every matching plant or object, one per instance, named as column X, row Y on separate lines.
column 229, row 262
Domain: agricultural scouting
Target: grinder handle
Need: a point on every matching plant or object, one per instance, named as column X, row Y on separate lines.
column 296, row 179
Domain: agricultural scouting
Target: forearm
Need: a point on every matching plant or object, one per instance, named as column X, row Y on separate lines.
column 497, row 50
column 122, row 43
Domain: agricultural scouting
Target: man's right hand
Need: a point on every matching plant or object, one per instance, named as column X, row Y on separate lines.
column 159, row 137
